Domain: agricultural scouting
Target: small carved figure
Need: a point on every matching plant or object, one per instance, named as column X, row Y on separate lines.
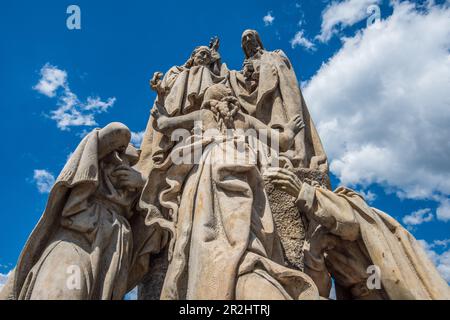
column 221, row 111
column 267, row 89
column 180, row 91
column 83, row 246
column 347, row 238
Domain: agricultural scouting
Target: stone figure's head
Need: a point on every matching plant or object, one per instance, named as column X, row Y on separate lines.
column 220, row 100
column 201, row 56
column 114, row 137
column 217, row 92
column 251, row 43
column 130, row 156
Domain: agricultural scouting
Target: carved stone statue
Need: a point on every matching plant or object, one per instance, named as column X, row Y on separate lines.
column 346, row 236
column 268, row 89
column 204, row 211
column 224, row 244
column 180, row 91
column 83, row 247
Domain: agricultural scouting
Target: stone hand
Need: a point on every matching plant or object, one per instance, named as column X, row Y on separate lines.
column 161, row 120
column 128, row 178
column 155, row 82
column 284, row 179
column 295, row 125
column 214, row 43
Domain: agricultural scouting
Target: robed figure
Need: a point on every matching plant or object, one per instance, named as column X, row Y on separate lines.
column 267, row 88
column 180, row 91
column 369, row 254
column 91, row 242
column 224, row 243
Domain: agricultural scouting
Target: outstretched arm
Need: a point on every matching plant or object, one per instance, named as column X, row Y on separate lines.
column 167, row 124
column 285, row 138
column 325, row 207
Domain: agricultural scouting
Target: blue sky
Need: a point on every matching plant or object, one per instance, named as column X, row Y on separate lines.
column 121, row 44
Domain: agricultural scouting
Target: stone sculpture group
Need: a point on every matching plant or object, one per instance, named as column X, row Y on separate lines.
column 228, row 198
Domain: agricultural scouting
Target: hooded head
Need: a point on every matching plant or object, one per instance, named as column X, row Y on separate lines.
column 251, row 43
column 131, row 155
column 114, row 137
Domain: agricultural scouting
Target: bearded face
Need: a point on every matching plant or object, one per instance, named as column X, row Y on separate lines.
column 202, row 57
column 250, row 44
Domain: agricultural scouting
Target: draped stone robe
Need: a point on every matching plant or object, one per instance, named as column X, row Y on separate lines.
column 221, row 224
column 184, row 89
column 83, row 247
column 275, row 100
column 362, row 236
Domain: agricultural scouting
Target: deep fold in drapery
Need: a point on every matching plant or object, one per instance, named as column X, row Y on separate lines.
column 222, row 224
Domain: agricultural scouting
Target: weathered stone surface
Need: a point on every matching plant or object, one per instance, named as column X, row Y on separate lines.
column 83, row 247
column 288, row 220
column 289, row 225
column 225, row 224
column 367, row 252
column 151, row 285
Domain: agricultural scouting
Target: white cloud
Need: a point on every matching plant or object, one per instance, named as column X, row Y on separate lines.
column 300, row 40
column 369, row 196
column 51, row 80
column 382, row 102
column 3, row 278
column 95, row 103
column 418, row 217
column 44, row 180
column 444, row 243
column 442, row 261
column 268, row 19
column 136, row 138
column 71, row 111
column 339, row 15
column 443, row 211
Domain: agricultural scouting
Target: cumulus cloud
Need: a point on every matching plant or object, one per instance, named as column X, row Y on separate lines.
column 381, row 105
column 443, row 243
column 96, row 104
column 418, row 217
column 441, row 261
column 443, row 211
column 368, row 195
column 136, row 138
column 268, row 19
column 51, row 80
column 339, row 15
column 300, row 40
column 71, row 111
column 44, row 180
